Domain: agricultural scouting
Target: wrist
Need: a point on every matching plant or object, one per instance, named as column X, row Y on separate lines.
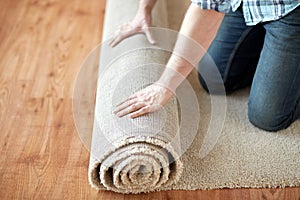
column 146, row 9
column 146, row 6
column 176, row 71
column 144, row 13
column 170, row 79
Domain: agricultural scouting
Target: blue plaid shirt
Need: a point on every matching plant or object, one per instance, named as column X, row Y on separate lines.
column 255, row 11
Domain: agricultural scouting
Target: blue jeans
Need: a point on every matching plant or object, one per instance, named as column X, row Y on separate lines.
column 265, row 56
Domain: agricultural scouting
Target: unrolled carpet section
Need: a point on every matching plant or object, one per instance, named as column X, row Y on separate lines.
column 143, row 155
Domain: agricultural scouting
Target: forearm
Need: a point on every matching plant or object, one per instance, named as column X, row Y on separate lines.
column 201, row 27
column 146, row 6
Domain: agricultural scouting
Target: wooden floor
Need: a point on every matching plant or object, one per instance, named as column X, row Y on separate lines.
column 42, row 44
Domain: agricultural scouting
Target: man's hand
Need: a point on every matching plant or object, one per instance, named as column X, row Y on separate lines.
column 199, row 25
column 150, row 99
column 140, row 24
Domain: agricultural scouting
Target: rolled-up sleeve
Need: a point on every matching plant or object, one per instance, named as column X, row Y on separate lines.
column 218, row 5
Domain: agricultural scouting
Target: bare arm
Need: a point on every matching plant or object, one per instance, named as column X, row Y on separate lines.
column 147, row 5
column 199, row 25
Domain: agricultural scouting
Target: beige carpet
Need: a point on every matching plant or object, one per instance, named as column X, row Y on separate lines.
column 126, row 155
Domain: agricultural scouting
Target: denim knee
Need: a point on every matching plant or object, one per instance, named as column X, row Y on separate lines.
column 267, row 119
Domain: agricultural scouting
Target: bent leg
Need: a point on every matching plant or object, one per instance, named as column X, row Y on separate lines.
column 275, row 92
column 235, row 51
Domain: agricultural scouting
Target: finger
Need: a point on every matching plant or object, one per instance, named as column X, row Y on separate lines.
column 116, row 40
column 114, row 37
column 140, row 112
column 122, row 35
column 112, row 40
column 128, row 99
column 130, row 109
column 125, row 105
column 149, row 35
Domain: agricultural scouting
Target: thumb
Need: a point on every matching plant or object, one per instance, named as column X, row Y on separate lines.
column 149, row 35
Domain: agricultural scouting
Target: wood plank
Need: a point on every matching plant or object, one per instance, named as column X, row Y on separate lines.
column 42, row 46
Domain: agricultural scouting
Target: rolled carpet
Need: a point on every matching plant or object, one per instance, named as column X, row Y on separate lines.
column 132, row 155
